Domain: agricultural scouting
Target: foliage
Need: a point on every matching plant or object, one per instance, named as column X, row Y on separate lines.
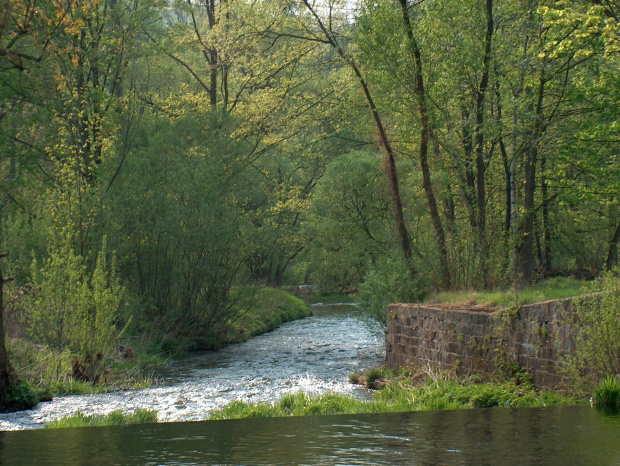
column 606, row 395
column 597, row 343
column 389, row 281
column 20, row 396
column 114, row 418
column 71, row 310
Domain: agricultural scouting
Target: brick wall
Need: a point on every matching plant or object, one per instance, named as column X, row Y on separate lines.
column 468, row 339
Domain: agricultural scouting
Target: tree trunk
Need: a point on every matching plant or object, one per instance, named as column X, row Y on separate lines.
column 425, row 135
column 612, row 256
column 525, row 249
column 7, row 375
column 479, row 142
column 390, row 162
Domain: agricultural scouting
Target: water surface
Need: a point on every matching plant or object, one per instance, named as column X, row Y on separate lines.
column 559, row 435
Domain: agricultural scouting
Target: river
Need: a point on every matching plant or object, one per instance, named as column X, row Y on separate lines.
column 314, row 355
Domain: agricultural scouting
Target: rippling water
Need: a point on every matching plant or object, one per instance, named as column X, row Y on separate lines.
column 315, row 355
column 561, row 435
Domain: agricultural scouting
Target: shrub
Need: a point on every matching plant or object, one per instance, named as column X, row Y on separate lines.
column 597, row 343
column 20, row 396
column 607, row 395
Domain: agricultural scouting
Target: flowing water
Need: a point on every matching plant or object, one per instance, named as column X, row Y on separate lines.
column 314, row 355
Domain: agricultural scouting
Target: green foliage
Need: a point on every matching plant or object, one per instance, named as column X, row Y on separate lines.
column 606, row 395
column 70, row 309
column 597, row 343
column 347, row 224
column 20, row 396
column 389, row 281
column 114, row 418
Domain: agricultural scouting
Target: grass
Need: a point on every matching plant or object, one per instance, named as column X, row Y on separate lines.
column 49, row 372
column 260, row 311
column 607, row 395
column 400, row 395
column 115, row 418
column 552, row 288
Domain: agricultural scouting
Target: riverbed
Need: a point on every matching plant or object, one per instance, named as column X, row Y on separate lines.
column 314, row 355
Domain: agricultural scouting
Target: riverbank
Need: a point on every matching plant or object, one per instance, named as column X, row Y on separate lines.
column 404, row 392
column 52, row 373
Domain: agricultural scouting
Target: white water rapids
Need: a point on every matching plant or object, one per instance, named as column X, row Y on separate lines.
column 314, row 355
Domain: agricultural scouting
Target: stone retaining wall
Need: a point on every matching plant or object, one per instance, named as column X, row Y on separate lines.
column 468, row 340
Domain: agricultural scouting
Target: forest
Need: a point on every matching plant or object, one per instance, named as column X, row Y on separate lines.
column 159, row 158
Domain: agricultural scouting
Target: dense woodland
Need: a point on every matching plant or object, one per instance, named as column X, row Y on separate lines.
column 158, row 156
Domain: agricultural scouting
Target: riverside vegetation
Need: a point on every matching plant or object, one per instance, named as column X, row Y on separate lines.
column 159, row 160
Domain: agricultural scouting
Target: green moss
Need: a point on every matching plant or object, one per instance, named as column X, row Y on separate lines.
column 115, row 418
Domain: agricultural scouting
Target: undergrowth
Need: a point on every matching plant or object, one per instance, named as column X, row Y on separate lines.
column 401, row 394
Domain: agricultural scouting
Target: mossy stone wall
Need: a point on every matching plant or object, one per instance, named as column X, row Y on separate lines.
column 469, row 340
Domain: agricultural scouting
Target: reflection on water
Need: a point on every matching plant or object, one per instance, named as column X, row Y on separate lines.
column 573, row 435
column 315, row 355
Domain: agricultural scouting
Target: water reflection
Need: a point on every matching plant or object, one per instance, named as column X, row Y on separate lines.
column 574, row 435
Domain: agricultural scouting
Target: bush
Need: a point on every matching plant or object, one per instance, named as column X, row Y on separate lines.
column 607, row 395
column 597, row 343
column 19, row 397
column 389, row 281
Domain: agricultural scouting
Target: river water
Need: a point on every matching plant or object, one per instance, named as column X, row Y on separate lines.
column 314, row 355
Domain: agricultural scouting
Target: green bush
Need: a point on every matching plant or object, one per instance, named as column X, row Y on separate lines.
column 19, row 397
column 597, row 343
column 606, row 395
column 389, row 281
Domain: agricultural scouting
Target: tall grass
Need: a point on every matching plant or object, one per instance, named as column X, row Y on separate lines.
column 115, row 418
column 552, row 288
column 400, row 395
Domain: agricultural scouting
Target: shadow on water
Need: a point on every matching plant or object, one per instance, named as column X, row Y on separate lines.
column 559, row 435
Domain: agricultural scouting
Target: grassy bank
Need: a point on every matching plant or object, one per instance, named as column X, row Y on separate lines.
column 115, row 418
column 400, row 395
column 552, row 288
column 259, row 311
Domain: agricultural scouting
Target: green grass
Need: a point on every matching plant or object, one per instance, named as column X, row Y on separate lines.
column 49, row 372
column 115, row 418
column 399, row 395
column 262, row 310
column 553, row 288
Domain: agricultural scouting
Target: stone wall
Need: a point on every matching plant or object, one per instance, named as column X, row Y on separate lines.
column 468, row 340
